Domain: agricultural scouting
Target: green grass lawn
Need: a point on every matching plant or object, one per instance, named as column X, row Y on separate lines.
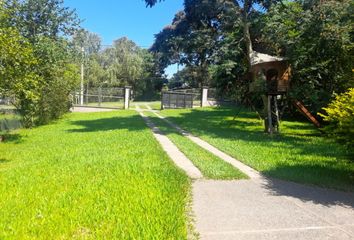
column 298, row 154
column 90, row 176
column 118, row 104
column 211, row 166
column 10, row 116
column 6, row 107
column 155, row 105
column 6, row 116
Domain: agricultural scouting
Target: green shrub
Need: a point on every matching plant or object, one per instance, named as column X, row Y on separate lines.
column 340, row 115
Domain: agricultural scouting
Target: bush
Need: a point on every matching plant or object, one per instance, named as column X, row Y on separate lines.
column 17, row 79
column 340, row 115
column 59, row 77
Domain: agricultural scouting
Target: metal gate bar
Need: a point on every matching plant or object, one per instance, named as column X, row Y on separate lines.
column 173, row 100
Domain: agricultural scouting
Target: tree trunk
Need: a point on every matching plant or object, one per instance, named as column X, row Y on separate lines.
column 246, row 29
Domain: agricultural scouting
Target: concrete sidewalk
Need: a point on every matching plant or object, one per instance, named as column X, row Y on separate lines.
column 171, row 149
column 264, row 208
column 250, row 172
column 271, row 209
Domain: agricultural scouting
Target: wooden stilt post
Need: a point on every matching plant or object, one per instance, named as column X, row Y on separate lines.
column 276, row 114
column 270, row 124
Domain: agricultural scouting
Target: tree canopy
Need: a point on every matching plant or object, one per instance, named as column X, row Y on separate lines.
column 216, row 38
column 41, row 42
column 39, row 52
column 42, row 48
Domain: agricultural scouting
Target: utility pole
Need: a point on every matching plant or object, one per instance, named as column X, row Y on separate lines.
column 82, row 77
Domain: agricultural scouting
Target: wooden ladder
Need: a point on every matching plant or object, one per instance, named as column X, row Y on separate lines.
column 300, row 106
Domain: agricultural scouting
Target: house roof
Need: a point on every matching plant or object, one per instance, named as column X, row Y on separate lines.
column 258, row 58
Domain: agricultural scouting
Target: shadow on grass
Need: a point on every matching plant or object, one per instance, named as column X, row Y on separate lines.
column 322, row 175
column 131, row 123
column 307, row 193
column 12, row 138
column 3, row 160
column 299, row 153
column 246, row 127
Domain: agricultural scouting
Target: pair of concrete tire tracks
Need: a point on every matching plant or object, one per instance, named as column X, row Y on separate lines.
column 176, row 155
column 261, row 207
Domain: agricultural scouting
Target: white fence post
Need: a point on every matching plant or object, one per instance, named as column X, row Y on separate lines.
column 204, row 101
column 126, row 97
column 82, row 78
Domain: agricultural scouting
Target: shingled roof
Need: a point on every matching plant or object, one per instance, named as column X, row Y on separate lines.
column 258, row 58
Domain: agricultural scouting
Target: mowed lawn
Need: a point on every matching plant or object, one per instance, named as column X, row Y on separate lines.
column 298, row 154
column 90, row 176
column 211, row 166
column 155, row 105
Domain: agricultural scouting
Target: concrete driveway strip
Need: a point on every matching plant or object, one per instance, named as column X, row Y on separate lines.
column 253, row 174
column 171, row 149
column 265, row 209
column 273, row 209
column 148, row 106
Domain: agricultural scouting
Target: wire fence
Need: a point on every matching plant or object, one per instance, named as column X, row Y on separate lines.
column 100, row 97
column 212, row 94
column 9, row 118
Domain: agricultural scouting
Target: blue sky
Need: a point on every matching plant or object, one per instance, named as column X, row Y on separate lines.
column 112, row 19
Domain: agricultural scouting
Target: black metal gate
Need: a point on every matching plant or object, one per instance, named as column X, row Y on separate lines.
column 179, row 99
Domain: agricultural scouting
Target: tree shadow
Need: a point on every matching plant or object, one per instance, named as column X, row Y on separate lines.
column 12, row 138
column 328, row 175
column 330, row 165
column 3, row 160
column 308, row 193
column 131, row 123
column 219, row 123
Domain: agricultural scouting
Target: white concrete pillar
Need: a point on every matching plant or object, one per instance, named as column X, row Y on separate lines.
column 204, row 101
column 82, row 78
column 126, row 97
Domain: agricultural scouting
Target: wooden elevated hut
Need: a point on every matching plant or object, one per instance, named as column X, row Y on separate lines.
column 275, row 70
column 270, row 76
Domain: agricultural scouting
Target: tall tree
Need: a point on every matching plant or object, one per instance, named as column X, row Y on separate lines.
column 317, row 38
column 125, row 63
column 87, row 46
column 91, row 42
column 45, row 26
column 49, row 18
column 244, row 8
column 17, row 78
column 201, row 24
